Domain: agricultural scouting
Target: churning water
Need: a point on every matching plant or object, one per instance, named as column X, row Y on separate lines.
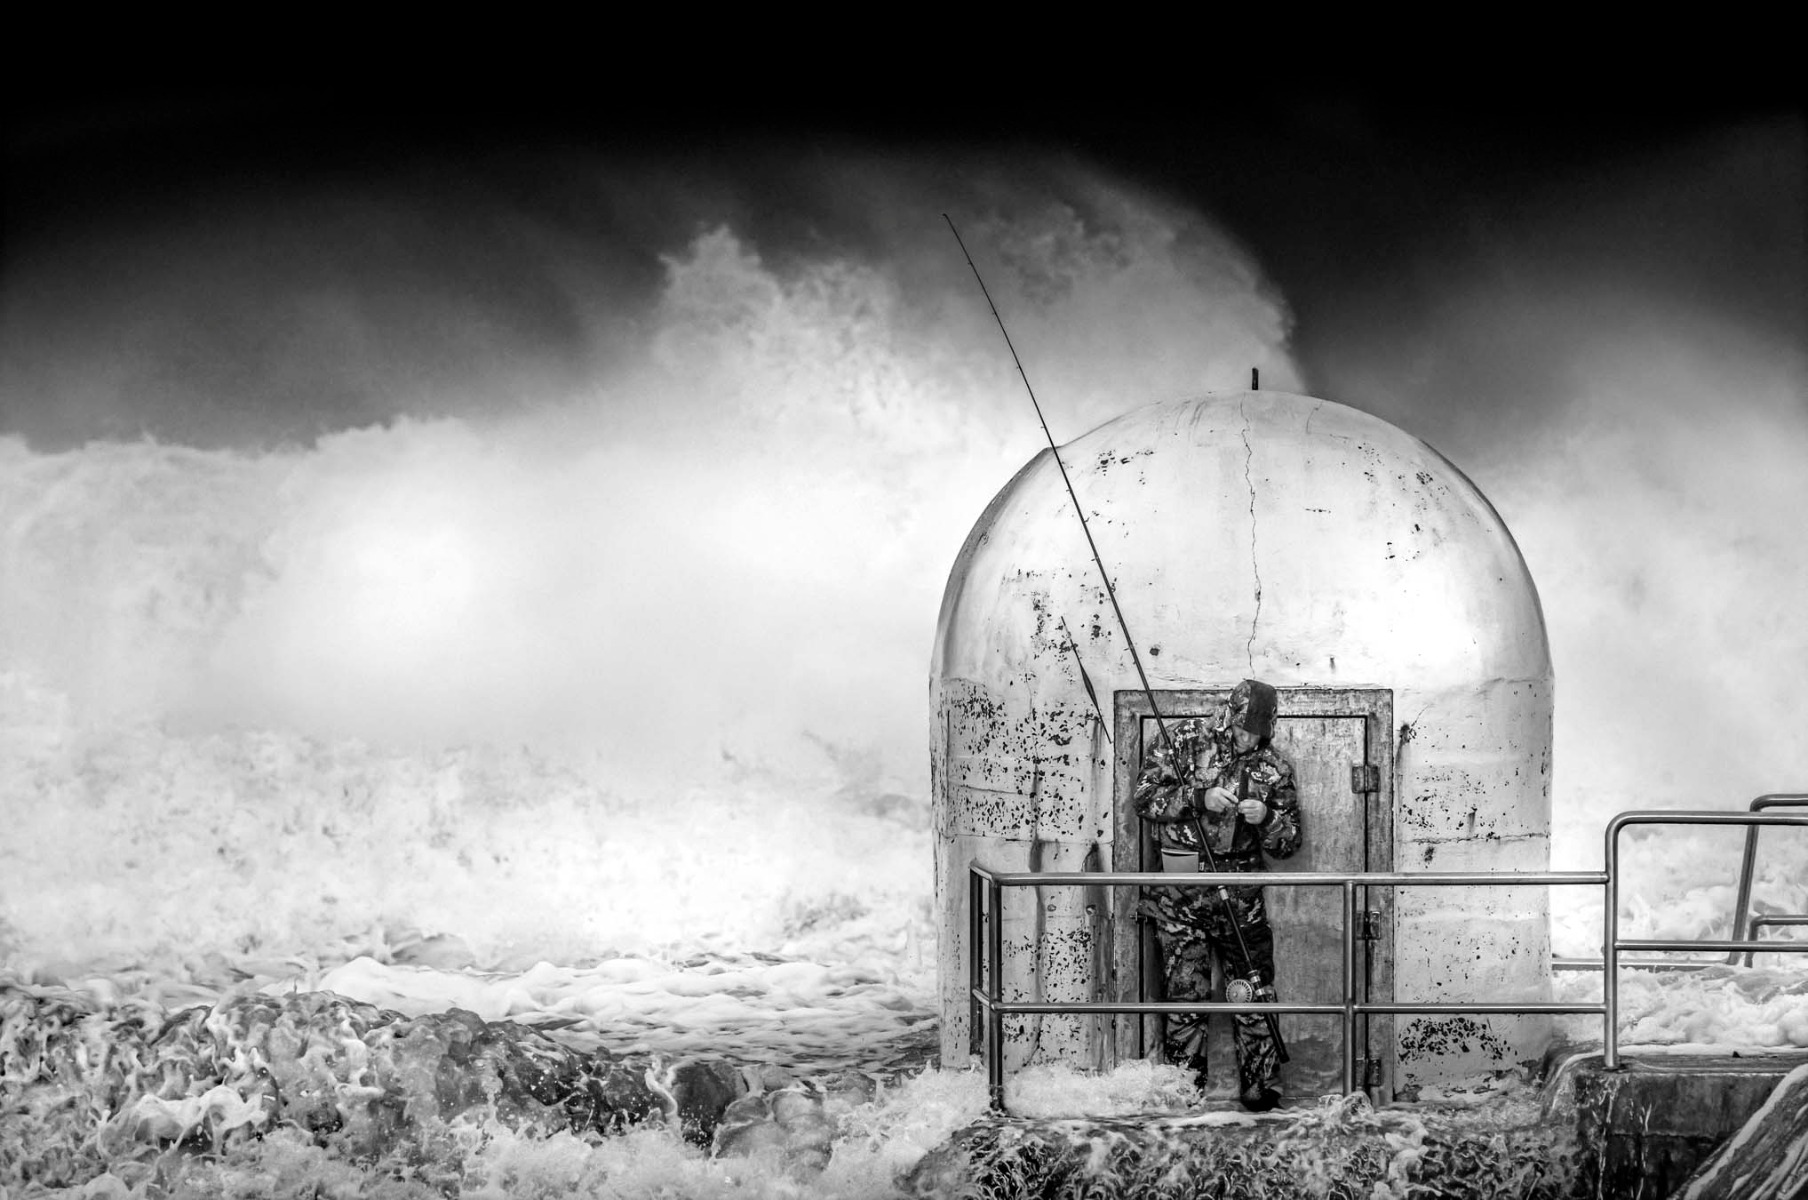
column 593, row 710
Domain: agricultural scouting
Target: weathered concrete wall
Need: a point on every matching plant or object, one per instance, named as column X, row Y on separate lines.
column 1023, row 788
column 1473, row 795
column 1254, row 534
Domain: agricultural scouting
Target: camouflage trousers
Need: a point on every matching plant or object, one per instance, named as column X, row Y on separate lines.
column 1192, row 927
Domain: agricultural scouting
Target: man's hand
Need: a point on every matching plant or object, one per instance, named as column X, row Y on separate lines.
column 1218, row 800
column 1253, row 811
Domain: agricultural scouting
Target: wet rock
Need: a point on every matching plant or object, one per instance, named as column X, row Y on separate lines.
column 767, row 1077
column 92, row 1088
column 363, row 1080
column 846, row 1091
column 702, row 1090
column 790, row 1124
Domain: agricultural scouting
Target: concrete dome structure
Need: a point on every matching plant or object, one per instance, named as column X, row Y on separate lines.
column 1251, row 535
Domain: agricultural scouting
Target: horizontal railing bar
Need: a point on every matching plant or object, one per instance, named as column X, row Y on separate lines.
column 1780, row 919
column 1655, row 964
column 1527, row 1006
column 1765, row 947
column 1659, row 816
column 1045, row 1007
column 1176, row 1007
column 1288, row 878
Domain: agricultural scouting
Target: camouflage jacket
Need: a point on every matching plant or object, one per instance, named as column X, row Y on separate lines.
column 1162, row 797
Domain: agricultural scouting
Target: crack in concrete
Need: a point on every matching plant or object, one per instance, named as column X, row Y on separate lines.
column 1249, row 649
column 1342, row 437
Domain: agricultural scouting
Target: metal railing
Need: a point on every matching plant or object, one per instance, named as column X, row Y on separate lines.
column 1744, row 923
column 1612, row 943
column 985, row 928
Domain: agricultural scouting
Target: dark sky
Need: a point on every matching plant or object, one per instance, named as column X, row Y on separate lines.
column 1365, row 209
column 1594, row 306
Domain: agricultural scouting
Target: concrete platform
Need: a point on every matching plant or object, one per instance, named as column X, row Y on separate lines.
column 1646, row 1129
column 1670, row 1123
column 1766, row 1160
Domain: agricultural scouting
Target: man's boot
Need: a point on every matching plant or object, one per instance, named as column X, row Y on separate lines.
column 1261, row 1099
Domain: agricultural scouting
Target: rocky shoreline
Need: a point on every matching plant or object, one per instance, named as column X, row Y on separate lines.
column 92, row 1089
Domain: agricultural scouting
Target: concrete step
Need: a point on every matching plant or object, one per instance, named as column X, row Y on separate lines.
column 1768, row 1158
column 1645, row 1129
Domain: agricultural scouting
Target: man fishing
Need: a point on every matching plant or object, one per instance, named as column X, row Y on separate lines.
column 1221, row 780
column 1188, row 782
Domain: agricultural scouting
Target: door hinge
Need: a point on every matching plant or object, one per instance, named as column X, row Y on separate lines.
column 1365, row 778
column 1371, row 925
column 1371, row 1073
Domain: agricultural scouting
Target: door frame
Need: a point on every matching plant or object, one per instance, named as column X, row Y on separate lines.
column 1135, row 969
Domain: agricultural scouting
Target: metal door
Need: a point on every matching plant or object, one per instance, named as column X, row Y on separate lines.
column 1339, row 741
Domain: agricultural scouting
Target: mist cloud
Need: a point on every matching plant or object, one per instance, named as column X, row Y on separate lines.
column 659, row 477
column 682, row 466
column 727, row 544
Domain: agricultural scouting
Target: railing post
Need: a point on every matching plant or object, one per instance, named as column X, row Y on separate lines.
column 1349, row 986
column 1610, row 951
column 1742, row 905
column 994, row 1018
column 975, row 966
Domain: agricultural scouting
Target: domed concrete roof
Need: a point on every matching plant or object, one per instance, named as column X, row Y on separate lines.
column 1252, row 533
column 1265, row 535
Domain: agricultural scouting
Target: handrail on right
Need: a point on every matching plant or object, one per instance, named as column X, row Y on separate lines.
column 1742, row 918
column 1611, row 943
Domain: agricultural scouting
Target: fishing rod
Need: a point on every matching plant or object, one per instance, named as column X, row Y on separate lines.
column 1185, row 773
column 1085, row 679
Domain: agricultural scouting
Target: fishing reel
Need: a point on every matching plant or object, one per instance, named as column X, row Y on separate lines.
column 1241, row 991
